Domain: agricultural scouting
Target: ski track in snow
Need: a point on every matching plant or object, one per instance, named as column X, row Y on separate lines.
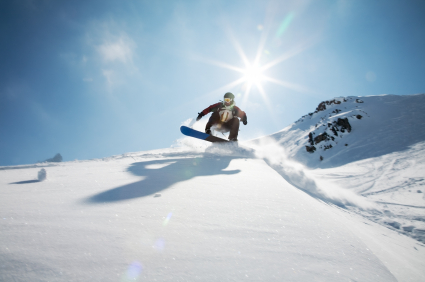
column 266, row 210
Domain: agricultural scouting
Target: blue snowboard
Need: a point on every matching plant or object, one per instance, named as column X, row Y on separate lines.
column 200, row 135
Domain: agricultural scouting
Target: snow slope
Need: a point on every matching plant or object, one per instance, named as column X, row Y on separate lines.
column 214, row 213
column 382, row 158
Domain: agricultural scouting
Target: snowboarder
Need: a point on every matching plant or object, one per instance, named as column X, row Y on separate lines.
column 224, row 117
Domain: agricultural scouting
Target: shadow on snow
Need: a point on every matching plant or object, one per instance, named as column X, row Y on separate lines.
column 26, row 182
column 161, row 174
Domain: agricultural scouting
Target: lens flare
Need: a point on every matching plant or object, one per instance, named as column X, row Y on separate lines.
column 133, row 272
column 284, row 25
column 167, row 219
column 159, row 244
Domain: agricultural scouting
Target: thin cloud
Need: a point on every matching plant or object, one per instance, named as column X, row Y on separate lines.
column 120, row 50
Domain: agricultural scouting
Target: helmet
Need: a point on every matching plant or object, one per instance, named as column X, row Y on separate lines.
column 228, row 99
column 229, row 95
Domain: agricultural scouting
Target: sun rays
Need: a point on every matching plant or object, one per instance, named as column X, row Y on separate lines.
column 253, row 73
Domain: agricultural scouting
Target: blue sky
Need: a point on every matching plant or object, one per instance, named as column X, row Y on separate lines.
column 91, row 79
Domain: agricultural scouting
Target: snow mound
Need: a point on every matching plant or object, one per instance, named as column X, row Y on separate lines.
column 42, row 175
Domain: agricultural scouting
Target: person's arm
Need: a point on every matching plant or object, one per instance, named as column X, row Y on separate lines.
column 242, row 115
column 207, row 111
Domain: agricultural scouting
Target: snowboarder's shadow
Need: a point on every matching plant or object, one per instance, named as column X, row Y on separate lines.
column 26, row 182
column 161, row 174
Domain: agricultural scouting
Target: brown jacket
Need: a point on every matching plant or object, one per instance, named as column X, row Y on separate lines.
column 237, row 112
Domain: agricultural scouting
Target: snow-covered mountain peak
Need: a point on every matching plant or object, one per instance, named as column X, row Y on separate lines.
column 347, row 129
column 373, row 146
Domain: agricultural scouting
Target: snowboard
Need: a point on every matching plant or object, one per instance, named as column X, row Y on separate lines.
column 200, row 135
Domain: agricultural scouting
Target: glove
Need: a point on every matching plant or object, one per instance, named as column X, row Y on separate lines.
column 244, row 121
column 200, row 115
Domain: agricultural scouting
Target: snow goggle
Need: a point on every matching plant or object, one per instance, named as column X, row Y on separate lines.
column 227, row 100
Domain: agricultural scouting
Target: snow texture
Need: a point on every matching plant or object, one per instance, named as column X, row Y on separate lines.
column 265, row 210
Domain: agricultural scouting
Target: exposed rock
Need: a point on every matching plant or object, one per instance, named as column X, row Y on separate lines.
column 322, row 106
column 344, row 124
column 322, row 137
column 334, row 130
column 310, row 149
column 310, row 139
column 331, row 127
column 359, row 101
column 321, row 158
column 326, row 147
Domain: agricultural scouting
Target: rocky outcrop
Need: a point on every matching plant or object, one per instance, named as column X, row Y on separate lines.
column 321, row 137
column 345, row 125
column 310, row 149
column 310, row 139
column 332, row 125
column 322, row 106
column 333, row 129
column 342, row 125
column 327, row 147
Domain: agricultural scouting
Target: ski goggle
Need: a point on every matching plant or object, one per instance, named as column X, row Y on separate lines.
column 227, row 100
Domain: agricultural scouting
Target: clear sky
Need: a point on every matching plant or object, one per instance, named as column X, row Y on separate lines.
column 91, row 79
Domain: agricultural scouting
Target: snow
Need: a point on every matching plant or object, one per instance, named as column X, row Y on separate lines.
column 42, row 175
column 389, row 123
column 264, row 211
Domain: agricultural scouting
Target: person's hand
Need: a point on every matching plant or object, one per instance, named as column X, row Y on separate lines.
column 200, row 115
column 244, row 120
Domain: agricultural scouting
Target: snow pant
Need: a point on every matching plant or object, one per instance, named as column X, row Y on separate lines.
column 232, row 125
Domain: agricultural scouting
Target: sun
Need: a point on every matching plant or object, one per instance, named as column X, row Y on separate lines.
column 253, row 74
column 253, row 71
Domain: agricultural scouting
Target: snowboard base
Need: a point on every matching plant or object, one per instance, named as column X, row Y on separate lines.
column 201, row 135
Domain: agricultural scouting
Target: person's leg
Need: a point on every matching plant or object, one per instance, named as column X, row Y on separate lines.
column 233, row 126
column 214, row 118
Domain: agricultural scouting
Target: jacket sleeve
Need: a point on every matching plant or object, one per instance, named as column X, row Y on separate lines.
column 240, row 113
column 210, row 108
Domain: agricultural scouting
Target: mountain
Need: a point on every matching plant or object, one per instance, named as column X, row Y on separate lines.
column 373, row 146
column 267, row 210
column 348, row 129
